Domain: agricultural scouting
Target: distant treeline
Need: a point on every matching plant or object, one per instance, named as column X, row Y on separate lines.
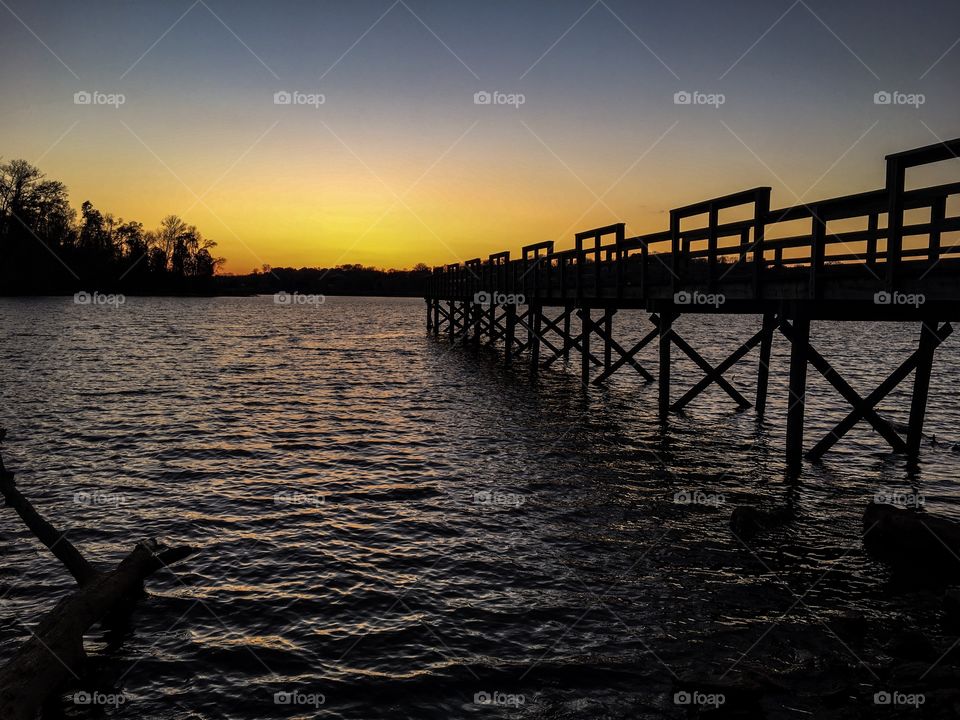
column 46, row 247
column 340, row 280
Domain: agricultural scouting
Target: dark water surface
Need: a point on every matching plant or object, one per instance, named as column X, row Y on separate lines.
column 327, row 461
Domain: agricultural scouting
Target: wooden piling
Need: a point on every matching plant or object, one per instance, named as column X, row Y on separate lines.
column 477, row 323
column 492, row 320
column 666, row 328
column 799, row 347
column 763, row 367
column 510, row 330
column 533, row 322
column 585, row 345
column 921, row 386
column 607, row 346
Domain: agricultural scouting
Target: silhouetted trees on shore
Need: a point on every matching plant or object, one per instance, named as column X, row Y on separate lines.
column 46, row 247
column 340, row 280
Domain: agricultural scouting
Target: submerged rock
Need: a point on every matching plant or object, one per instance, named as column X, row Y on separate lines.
column 912, row 645
column 748, row 520
column 849, row 626
column 912, row 541
column 951, row 607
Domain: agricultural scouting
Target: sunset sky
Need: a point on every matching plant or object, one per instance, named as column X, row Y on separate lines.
column 399, row 165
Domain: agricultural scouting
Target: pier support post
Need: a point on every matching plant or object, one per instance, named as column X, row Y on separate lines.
column 510, row 330
column 566, row 333
column 467, row 320
column 492, row 322
column 666, row 329
column 477, row 323
column 921, row 386
column 585, row 345
column 436, row 317
column 533, row 323
column 451, row 324
column 607, row 346
column 429, row 316
column 799, row 353
column 763, row 369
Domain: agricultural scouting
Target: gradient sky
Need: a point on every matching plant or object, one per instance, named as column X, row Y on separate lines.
column 399, row 166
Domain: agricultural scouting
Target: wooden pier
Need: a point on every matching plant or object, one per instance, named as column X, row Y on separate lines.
column 891, row 254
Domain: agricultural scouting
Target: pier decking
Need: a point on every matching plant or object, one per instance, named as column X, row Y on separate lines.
column 891, row 254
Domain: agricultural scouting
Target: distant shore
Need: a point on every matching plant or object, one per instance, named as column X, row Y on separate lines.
column 346, row 281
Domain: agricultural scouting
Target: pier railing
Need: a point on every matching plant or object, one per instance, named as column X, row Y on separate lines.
column 846, row 247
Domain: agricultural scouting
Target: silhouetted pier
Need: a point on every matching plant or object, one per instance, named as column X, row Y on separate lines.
column 891, row 254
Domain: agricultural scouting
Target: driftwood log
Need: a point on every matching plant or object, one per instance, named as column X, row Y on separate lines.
column 54, row 655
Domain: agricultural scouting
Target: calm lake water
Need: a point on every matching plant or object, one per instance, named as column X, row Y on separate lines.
column 393, row 525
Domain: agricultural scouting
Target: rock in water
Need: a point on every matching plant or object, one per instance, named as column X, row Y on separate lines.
column 747, row 520
column 951, row 608
column 912, row 541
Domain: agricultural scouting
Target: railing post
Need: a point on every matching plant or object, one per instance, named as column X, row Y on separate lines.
column 761, row 209
column 938, row 212
column 597, row 261
column 818, row 249
column 896, row 178
column 619, row 255
column 644, row 267
column 580, row 257
column 873, row 222
column 675, row 283
column 713, row 219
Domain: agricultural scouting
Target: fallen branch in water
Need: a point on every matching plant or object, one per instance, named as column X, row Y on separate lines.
column 45, row 663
